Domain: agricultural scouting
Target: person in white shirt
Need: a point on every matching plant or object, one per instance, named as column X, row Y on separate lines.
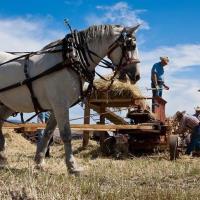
column 191, row 122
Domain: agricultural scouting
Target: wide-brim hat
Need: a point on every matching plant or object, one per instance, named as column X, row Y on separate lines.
column 197, row 108
column 179, row 114
column 165, row 58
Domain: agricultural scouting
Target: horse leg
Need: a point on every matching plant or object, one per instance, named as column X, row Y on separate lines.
column 43, row 144
column 5, row 112
column 62, row 117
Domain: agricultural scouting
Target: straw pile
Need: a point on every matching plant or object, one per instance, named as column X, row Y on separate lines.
column 119, row 90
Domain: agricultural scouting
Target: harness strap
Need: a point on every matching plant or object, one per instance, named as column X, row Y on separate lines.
column 22, row 117
column 83, row 48
column 80, row 50
column 55, row 68
column 29, row 54
column 36, row 104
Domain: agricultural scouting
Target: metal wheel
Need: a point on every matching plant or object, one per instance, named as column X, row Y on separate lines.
column 173, row 147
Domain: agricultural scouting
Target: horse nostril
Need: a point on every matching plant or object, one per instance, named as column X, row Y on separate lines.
column 137, row 77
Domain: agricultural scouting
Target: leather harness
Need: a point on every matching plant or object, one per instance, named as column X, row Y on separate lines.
column 73, row 43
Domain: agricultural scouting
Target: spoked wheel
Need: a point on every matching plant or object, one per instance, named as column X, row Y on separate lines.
column 173, row 147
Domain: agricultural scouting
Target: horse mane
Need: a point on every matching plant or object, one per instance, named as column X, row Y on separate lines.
column 97, row 31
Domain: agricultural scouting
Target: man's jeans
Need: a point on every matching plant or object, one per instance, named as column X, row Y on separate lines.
column 195, row 140
column 156, row 93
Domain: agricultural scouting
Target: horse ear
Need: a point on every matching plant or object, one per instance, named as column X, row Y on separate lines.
column 130, row 30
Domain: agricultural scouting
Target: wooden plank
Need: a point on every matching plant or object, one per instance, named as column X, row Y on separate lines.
column 114, row 104
column 117, row 100
column 27, row 125
column 113, row 126
column 88, row 127
column 111, row 116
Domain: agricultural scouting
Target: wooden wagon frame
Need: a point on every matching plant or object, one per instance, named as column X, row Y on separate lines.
column 154, row 133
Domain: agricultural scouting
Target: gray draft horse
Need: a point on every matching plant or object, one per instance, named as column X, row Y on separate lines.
column 59, row 90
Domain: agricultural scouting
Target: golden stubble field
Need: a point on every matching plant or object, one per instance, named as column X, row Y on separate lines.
column 148, row 177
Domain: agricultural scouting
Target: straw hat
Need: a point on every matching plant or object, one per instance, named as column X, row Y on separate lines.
column 165, row 58
column 197, row 108
column 179, row 114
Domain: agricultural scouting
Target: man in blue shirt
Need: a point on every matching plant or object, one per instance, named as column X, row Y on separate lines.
column 157, row 79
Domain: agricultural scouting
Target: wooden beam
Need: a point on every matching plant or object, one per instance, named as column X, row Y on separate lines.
column 111, row 116
column 117, row 100
column 27, row 125
column 112, row 127
column 88, row 127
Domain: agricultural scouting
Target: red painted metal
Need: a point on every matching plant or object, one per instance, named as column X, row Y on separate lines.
column 160, row 109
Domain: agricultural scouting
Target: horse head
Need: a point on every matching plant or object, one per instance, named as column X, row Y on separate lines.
column 123, row 52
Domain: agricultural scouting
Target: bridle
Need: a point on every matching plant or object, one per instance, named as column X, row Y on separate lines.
column 127, row 43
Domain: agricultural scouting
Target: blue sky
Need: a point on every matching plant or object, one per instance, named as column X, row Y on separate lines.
column 168, row 28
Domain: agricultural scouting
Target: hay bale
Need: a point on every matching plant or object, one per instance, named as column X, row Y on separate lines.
column 119, row 89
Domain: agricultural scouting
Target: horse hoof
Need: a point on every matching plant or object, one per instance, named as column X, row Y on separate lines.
column 76, row 171
column 40, row 166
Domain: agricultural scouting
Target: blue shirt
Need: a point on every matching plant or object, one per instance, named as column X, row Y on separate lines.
column 158, row 70
column 43, row 117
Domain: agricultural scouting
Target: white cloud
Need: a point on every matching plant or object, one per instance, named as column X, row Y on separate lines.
column 119, row 13
column 25, row 34
column 183, row 95
column 181, row 56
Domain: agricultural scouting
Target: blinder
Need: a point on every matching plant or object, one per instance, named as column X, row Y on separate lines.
column 127, row 43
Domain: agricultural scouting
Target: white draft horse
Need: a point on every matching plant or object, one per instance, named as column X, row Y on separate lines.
column 58, row 90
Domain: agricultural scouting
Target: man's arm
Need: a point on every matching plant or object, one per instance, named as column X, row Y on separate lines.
column 154, row 80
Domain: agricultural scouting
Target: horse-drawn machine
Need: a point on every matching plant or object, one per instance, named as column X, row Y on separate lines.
column 139, row 131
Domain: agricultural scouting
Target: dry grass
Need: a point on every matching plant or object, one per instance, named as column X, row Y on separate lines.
column 152, row 177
